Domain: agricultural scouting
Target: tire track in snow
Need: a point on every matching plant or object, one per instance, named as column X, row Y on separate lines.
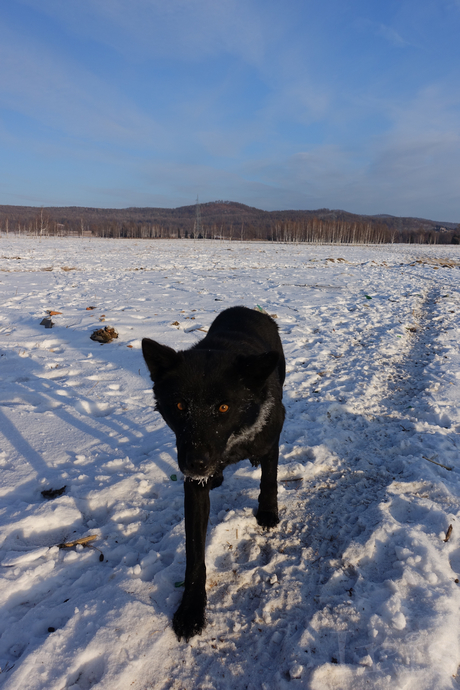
column 394, row 406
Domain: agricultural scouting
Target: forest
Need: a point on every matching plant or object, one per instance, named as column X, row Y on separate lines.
column 224, row 220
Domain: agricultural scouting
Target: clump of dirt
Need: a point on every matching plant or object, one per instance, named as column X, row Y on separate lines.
column 437, row 263
column 53, row 493
column 104, row 335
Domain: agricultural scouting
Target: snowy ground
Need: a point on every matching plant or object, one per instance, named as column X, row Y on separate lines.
column 356, row 588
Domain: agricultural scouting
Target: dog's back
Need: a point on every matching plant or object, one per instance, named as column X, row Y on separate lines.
column 240, row 330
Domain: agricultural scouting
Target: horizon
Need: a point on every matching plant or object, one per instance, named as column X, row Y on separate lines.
column 280, row 108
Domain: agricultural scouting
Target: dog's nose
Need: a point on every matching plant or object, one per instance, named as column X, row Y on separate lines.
column 198, row 464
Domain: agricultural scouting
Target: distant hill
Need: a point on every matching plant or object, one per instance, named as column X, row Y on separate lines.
column 227, row 219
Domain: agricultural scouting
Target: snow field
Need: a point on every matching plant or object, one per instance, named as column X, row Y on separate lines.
column 356, row 588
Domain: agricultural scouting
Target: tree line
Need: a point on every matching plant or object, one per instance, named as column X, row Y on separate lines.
column 224, row 221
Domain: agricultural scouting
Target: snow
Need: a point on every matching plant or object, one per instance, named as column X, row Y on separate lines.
column 356, row 587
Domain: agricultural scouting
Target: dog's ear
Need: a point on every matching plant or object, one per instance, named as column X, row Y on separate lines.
column 255, row 369
column 159, row 358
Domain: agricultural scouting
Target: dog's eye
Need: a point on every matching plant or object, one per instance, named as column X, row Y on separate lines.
column 223, row 408
column 180, row 406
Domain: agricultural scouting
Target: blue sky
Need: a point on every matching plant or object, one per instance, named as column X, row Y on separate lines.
column 294, row 104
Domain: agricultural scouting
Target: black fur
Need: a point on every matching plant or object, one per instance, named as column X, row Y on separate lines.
column 229, row 389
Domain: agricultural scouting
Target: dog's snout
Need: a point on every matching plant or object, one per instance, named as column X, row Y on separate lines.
column 198, row 464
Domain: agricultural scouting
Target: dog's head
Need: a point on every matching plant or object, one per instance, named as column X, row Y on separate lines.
column 215, row 402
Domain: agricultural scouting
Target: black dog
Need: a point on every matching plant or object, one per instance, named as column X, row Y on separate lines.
column 222, row 398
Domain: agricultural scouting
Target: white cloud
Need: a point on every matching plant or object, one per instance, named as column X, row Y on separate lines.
column 391, row 35
column 411, row 169
column 60, row 94
column 180, row 29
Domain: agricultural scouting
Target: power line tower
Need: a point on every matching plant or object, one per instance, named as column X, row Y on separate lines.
column 197, row 227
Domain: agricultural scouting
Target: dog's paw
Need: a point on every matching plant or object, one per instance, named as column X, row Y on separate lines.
column 267, row 518
column 189, row 620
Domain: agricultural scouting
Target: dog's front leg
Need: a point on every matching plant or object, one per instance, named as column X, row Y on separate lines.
column 267, row 515
column 189, row 619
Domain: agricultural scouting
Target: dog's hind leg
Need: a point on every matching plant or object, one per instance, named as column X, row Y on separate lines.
column 267, row 514
column 189, row 619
